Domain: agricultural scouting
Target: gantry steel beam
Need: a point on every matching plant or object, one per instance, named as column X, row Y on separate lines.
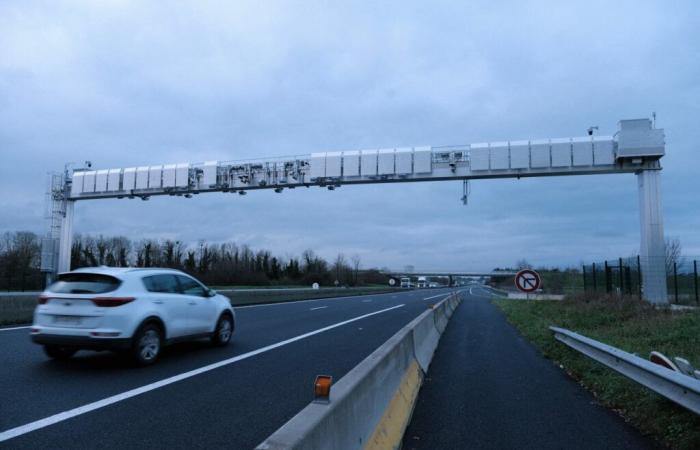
column 636, row 148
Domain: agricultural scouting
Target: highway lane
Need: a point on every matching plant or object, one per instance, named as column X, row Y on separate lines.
column 236, row 405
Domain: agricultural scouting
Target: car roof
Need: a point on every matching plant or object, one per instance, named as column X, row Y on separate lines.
column 120, row 272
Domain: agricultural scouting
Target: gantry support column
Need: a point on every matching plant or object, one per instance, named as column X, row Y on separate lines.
column 652, row 248
column 65, row 240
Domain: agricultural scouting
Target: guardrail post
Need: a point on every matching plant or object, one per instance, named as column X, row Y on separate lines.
column 675, row 281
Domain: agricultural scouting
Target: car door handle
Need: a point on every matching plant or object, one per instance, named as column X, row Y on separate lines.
column 158, row 302
column 192, row 303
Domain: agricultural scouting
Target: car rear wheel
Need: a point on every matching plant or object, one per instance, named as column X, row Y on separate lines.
column 148, row 342
column 224, row 331
column 58, row 352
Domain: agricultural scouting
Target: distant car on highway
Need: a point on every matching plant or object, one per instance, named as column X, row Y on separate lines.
column 138, row 311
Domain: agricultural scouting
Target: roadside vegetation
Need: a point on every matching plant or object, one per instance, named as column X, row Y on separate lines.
column 633, row 326
column 220, row 264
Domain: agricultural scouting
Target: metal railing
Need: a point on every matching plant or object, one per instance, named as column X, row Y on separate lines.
column 675, row 386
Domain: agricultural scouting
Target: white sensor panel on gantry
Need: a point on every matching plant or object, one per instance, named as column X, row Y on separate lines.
column 76, row 187
column 519, row 155
column 539, row 154
column 422, row 160
column 368, row 163
column 561, row 152
column 154, row 177
column 479, row 157
column 209, row 171
column 89, row 181
column 101, row 180
column 182, row 175
column 385, row 161
column 582, row 151
column 318, row 165
column 499, row 155
column 334, row 162
column 142, row 177
column 404, row 160
column 129, row 179
column 351, row 163
column 603, row 151
column 169, row 175
column 113, row 180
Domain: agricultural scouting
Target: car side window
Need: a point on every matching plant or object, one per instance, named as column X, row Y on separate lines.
column 190, row 287
column 161, row 283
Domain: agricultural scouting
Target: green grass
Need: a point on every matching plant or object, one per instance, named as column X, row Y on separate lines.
column 630, row 325
column 19, row 308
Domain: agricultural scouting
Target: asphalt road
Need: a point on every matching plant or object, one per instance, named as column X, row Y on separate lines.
column 488, row 388
column 96, row 400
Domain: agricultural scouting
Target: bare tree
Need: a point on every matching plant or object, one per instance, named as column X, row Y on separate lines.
column 673, row 253
column 523, row 264
column 355, row 269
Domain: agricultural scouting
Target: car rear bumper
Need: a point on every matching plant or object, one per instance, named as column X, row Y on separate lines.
column 84, row 342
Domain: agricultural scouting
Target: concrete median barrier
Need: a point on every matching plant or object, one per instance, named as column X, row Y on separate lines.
column 371, row 405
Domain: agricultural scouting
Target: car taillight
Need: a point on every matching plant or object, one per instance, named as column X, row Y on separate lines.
column 112, row 301
column 42, row 299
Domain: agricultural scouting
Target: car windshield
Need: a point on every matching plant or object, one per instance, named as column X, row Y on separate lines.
column 83, row 283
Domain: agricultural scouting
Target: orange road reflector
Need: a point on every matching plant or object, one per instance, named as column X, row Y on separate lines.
column 322, row 388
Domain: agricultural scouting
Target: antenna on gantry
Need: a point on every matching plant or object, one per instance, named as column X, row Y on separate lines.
column 466, row 190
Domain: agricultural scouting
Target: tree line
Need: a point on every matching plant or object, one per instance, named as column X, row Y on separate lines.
column 214, row 263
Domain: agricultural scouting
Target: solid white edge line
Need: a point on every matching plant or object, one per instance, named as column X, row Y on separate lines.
column 436, row 296
column 318, row 307
column 60, row 417
column 15, row 328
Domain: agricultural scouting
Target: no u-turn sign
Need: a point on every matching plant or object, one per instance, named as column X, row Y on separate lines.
column 527, row 280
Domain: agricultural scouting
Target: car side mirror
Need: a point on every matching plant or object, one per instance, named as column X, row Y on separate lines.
column 211, row 292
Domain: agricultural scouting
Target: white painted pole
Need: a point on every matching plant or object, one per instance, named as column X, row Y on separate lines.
column 652, row 248
column 65, row 240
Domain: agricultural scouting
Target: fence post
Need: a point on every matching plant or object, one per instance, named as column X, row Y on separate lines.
column 675, row 281
column 621, row 275
column 595, row 287
column 695, row 271
column 584, row 277
column 608, row 281
column 639, row 275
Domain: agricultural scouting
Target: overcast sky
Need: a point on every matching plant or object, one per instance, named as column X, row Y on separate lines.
column 125, row 83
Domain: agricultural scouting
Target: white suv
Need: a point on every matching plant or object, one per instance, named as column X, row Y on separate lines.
column 134, row 310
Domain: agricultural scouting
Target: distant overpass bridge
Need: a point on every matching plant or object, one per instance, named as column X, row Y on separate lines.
column 451, row 275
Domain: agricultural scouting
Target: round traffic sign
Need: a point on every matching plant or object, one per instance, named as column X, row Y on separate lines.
column 392, row 281
column 527, row 280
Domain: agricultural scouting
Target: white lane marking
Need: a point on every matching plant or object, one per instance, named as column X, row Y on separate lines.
column 60, row 417
column 367, row 301
column 15, row 328
column 435, row 296
column 318, row 307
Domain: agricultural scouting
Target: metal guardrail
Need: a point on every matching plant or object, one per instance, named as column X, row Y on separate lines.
column 675, row 386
